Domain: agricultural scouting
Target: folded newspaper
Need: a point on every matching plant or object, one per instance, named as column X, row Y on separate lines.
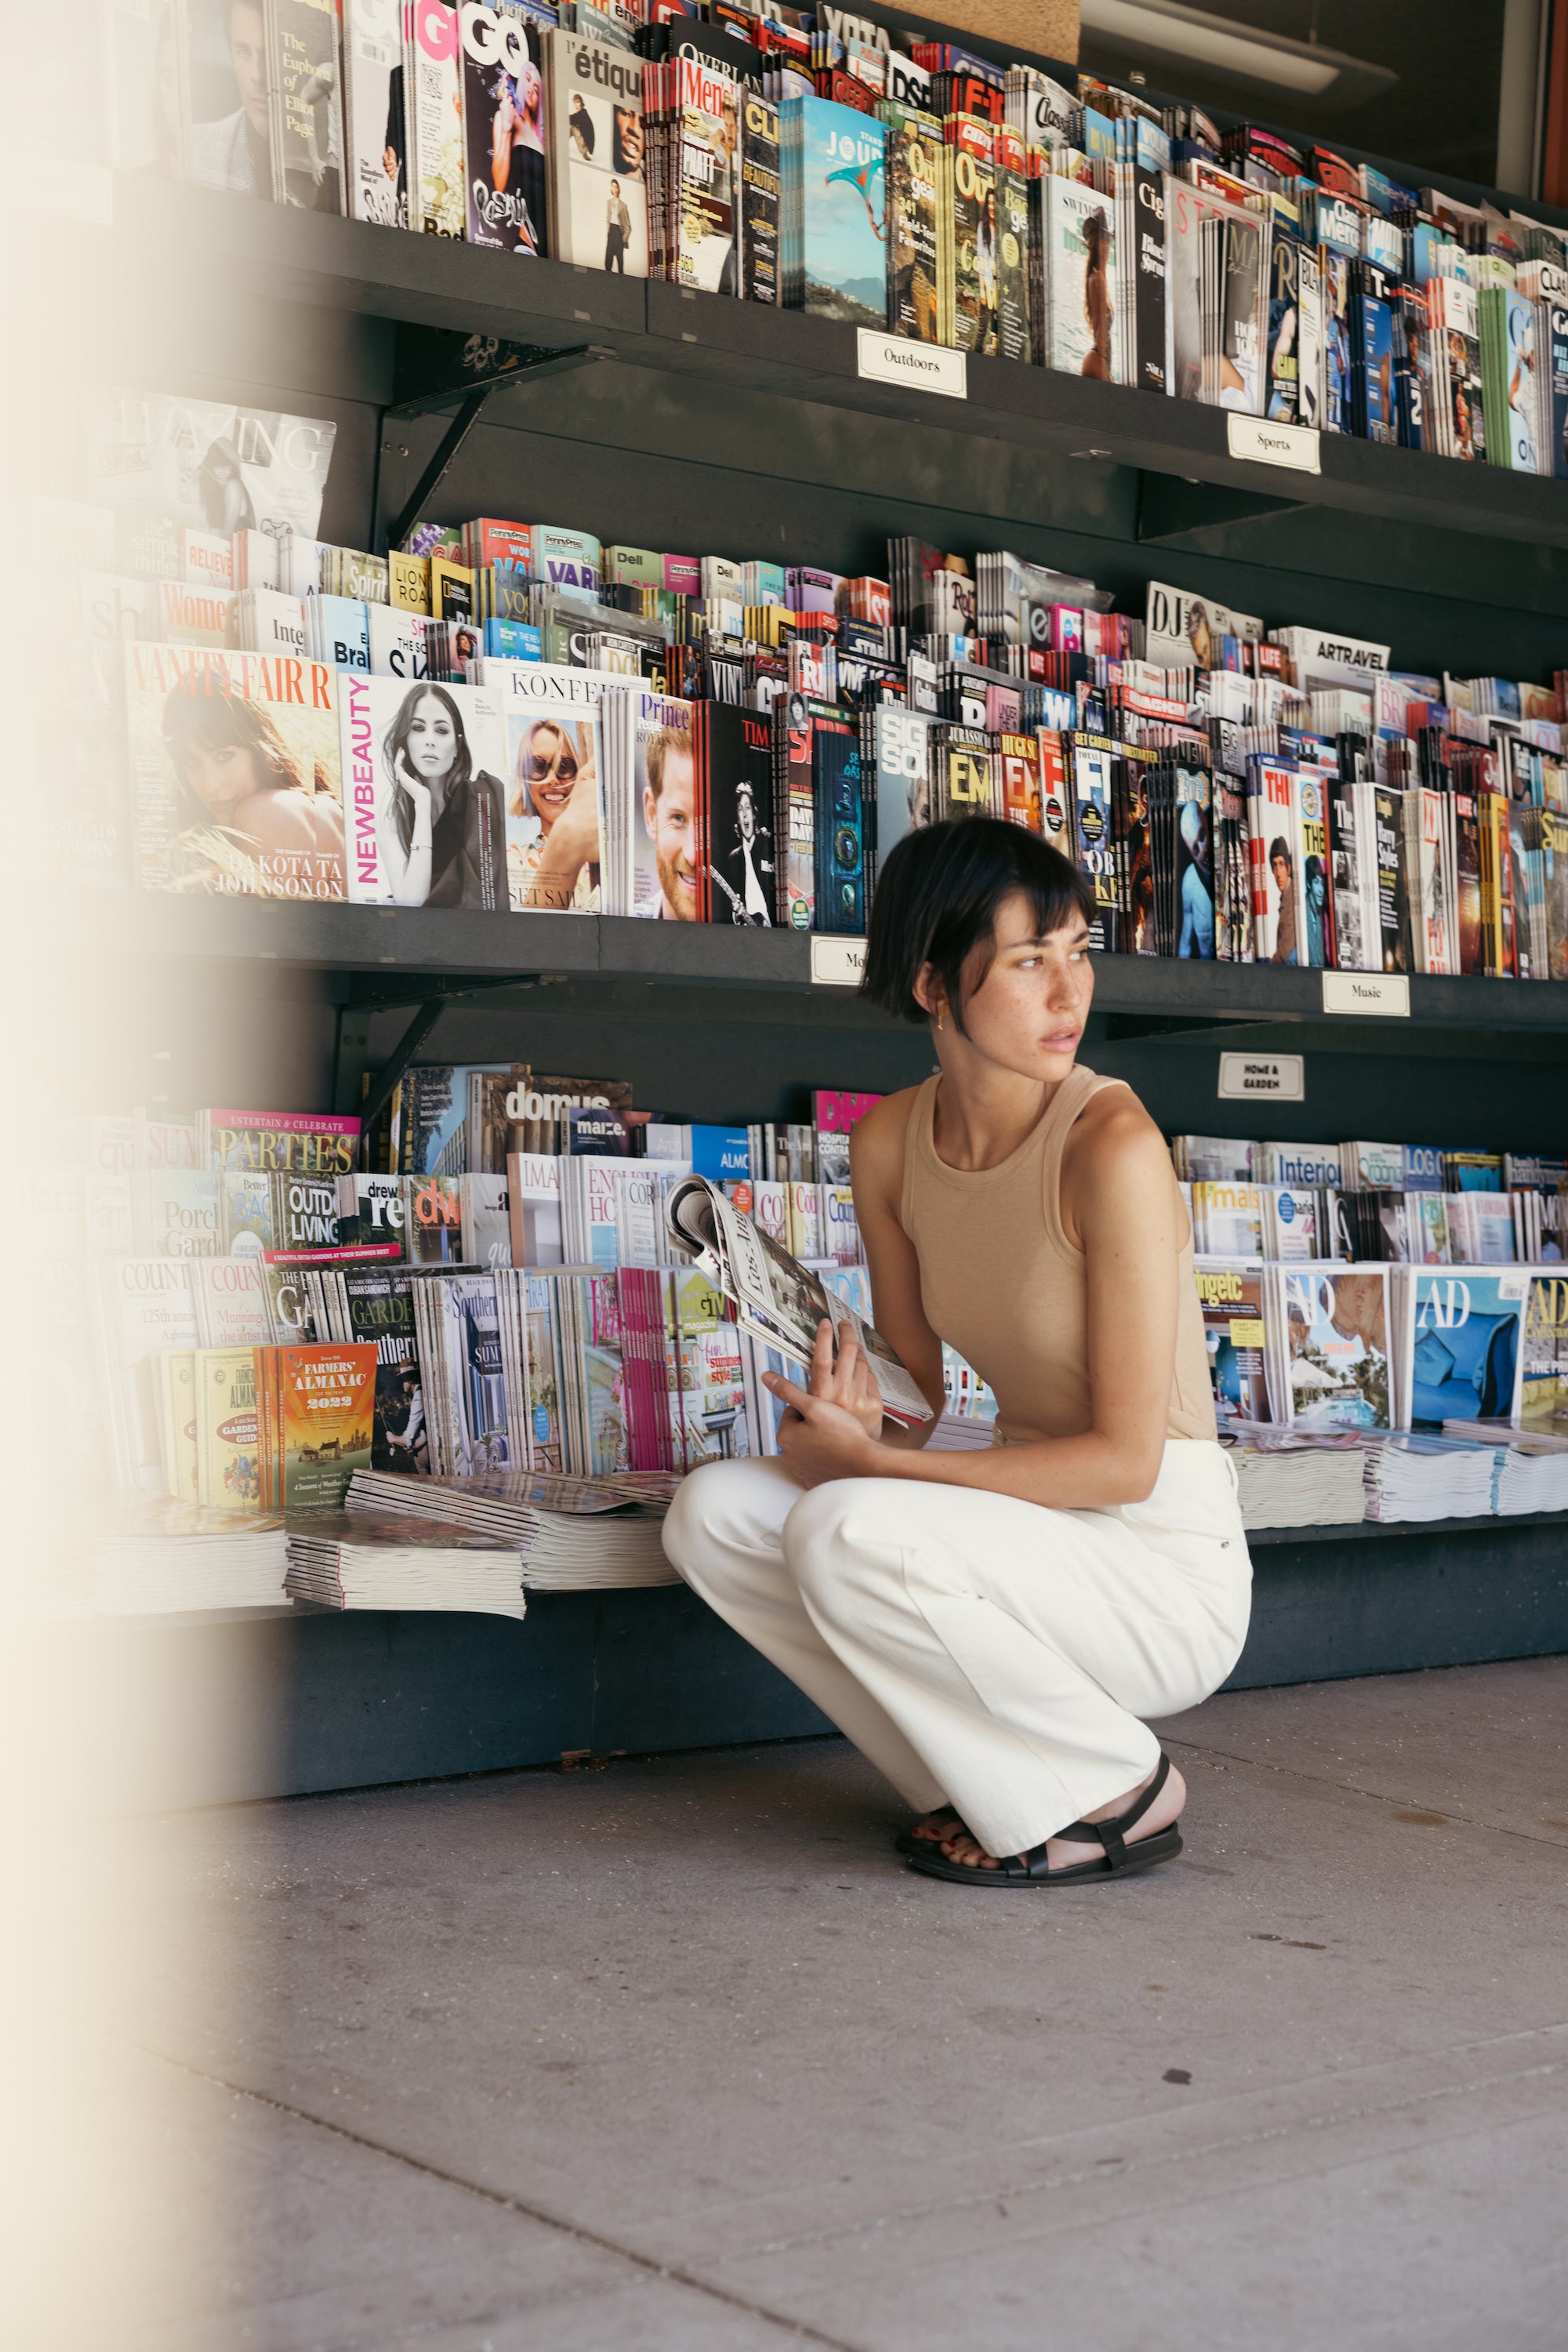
column 777, row 1299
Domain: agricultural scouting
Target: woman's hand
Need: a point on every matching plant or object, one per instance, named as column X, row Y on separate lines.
column 831, row 1428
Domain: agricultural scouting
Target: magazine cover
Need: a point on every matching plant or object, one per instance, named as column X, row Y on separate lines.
column 305, row 109
column 230, row 130
column 1545, row 1386
column 915, row 165
column 1186, row 210
column 971, row 196
column 663, row 828
column 472, row 1337
column 838, row 260
column 1079, row 228
column 1521, row 362
column 374, row 127
column 1313, row 935
column 1195, row 865
column 1231, row 1298
column 208, row 464
column 899, row 754
column 422, row 767
column 1184, row 631
column 554, row 789
column 1235, row 295
column 598, row 198
column 1310, row 339
column 234, row 773
column 436, row 205
column 326, row 1410
column 1334, row 1331
column 503, row 124
column 1284, row 324
column 1463, row 1341
column 705, row 153
column 1014, row 334
column 1272, row 823
column 759, row 199
column 144, row 61
column 740, row 846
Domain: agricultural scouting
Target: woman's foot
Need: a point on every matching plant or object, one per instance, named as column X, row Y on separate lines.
column 1068, row 1854
column 937, row 1828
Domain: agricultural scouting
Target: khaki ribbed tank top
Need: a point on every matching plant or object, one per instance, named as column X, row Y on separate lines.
column 1001, row 1282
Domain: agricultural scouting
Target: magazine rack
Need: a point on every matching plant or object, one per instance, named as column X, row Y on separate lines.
column 694, row 422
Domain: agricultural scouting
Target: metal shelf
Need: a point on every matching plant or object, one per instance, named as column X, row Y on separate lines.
column 1480, row 1524
column 455, row 943
column 173, row 238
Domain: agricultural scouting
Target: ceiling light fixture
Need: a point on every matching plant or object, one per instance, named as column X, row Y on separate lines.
column 1188, row 36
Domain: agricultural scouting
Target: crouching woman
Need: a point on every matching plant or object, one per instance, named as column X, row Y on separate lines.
column 992, row 1628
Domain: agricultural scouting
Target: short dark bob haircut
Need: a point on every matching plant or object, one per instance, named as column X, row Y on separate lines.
column 937, row 900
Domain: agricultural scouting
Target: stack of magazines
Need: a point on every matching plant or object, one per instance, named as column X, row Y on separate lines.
column 1416, row 1474
column 1531, row 1465
column 165, row 1555
column 1297, row 1479
column 372, row 1559
column 574, row 1534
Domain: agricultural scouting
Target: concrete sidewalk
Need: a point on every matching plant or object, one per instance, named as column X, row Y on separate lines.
column 677, row 2057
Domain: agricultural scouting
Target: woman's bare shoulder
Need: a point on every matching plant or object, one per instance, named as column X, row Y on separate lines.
column 1114, row 1131
column 877, row 1141
column 885, row 1123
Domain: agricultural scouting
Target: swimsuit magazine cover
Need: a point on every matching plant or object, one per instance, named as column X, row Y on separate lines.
column 778, row 1298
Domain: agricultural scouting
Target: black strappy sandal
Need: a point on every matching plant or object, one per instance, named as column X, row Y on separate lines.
column 905, row 1842
column 1119, row 1859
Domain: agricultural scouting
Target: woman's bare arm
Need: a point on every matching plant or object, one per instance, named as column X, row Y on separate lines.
column 877, row 1175
column 1120, row 1204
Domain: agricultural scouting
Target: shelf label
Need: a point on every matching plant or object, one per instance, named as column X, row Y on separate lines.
column 888, row 359
column 1384, row 992
column 1281, row 1076
column 835, row 962
column 1263, row 443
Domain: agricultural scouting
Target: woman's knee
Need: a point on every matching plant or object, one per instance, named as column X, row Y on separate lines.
column 722, row 1513
column 836, row 1530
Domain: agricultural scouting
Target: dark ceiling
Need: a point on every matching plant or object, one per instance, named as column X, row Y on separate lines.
column 1441, row 115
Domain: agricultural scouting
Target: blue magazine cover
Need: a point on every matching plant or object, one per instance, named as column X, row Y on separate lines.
column 838, row 268
column 1462, row 1343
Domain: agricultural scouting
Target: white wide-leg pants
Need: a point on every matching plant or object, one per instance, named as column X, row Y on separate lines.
column 981, row 1652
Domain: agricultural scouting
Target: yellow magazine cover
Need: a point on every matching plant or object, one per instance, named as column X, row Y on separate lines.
column 1545, row 1391
column 326, row 1407
column 229, row 1456
column 235, row 776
